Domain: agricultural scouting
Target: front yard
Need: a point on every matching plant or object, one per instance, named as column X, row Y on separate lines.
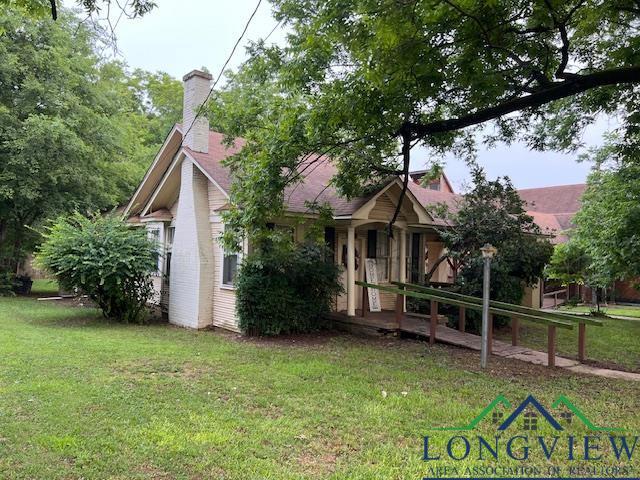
column 82, row 397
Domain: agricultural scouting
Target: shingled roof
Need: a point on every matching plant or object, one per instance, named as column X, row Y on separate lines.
column 316, row 186
column 551, row 207
column 562, row 201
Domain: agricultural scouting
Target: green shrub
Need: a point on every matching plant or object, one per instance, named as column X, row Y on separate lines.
column 573, row 301
column 6, row 284
column 104, row 257
column 285, row 290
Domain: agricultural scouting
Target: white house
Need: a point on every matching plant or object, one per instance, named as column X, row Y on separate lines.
column 186, row 188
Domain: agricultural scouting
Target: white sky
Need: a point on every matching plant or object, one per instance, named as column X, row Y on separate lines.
column 179, row 36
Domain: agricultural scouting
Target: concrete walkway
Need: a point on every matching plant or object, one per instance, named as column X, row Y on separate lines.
column 581, row 314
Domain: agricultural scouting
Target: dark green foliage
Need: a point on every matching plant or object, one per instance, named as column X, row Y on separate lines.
column 286, row 289
column 6, row 284
column 492, row 212
column 358, row 80
column 105, row 258
column 76, row 133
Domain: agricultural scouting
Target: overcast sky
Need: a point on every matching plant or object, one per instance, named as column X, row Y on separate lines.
column 179, row 36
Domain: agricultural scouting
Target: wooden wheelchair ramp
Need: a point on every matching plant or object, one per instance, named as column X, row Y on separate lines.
column 431, row 326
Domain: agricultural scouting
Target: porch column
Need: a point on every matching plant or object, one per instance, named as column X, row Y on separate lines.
column 351, row 272
column 402, row 271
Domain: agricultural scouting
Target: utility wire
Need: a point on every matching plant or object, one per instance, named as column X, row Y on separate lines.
column 202, row 106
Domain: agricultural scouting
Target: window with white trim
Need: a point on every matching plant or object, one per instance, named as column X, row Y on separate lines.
column 171, row 233
column 154, row 234
column 230, row 261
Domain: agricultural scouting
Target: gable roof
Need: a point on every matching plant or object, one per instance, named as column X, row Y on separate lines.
column 317, row 172
column 552, row 208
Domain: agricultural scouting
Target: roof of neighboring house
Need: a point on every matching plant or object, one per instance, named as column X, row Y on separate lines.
column 549, row 225
column 417, row 175
column 560, row 199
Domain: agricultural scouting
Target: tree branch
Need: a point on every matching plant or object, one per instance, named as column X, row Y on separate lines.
column 554, row 91
column 406, row 160
column 434, row 267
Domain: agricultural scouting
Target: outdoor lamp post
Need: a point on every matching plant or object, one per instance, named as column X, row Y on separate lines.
column 488, row 251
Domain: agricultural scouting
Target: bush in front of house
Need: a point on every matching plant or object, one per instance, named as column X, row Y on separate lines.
column 106, row 259
column 286, row 289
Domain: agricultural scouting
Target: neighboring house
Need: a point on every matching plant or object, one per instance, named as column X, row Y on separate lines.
column 555, row 208
column 440, row 184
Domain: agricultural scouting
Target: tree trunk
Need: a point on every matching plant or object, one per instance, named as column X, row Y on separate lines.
column 434, row 267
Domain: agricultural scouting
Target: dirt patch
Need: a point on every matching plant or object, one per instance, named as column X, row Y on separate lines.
column 294, row 340
column 151, row 471
column 157, row 369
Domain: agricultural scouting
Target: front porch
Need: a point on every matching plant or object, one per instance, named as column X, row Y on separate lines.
column 387, row 322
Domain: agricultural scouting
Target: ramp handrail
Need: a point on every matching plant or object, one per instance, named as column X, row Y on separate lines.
column 503, row 305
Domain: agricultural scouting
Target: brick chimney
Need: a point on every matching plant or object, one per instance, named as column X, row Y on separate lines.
column 196, row 89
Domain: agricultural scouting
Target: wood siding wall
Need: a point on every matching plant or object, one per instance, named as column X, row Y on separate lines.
column 224, row 298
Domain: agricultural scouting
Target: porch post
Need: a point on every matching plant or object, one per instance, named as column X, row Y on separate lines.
column 351, row 272
column 402, row 267
column 402, row 271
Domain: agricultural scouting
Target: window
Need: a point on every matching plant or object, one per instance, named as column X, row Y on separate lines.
column 413, row 255
column 330, row 242
column 229, row 267
column 378, row 248
column 154, row 234
column 171, row 232
column 434, row 185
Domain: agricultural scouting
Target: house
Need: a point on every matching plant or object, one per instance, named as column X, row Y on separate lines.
column 185, row 191
column 554, row 207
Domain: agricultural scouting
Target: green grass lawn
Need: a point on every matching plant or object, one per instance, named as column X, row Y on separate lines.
column 44, row 287
column 85, row 398
column 617, row 342
column 623, row 311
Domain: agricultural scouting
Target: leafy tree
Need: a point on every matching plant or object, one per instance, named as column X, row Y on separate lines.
column 104, row 257
column 364, row 82
column 75, row 134
column 41, row 8
column 493, row 212
column 608, row 223
column 570, row 263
